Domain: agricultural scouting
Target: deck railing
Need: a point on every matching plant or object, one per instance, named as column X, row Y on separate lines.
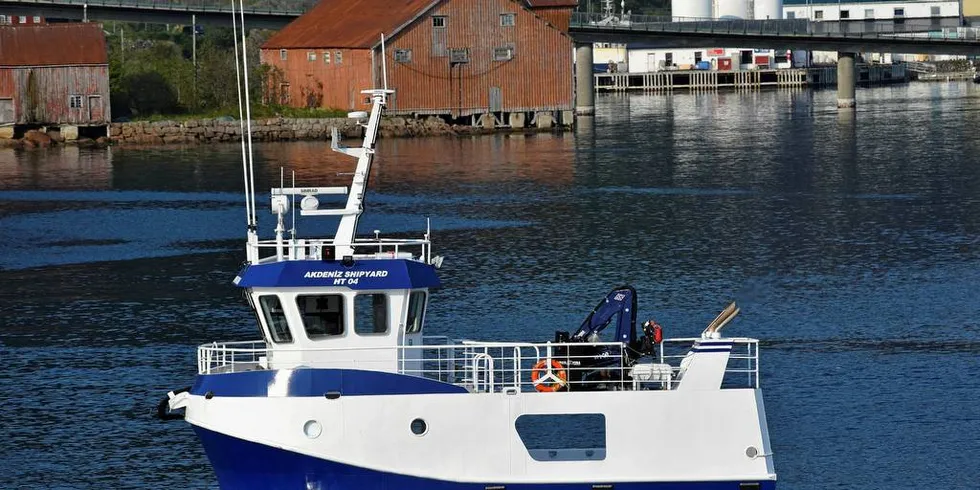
column 495, row 367
column 312, row 249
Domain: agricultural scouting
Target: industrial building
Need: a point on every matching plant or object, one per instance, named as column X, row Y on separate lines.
column 489, row 61
column 645, row 59
column 53, row 75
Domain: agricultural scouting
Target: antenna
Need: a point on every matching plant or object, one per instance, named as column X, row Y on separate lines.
column 292, row 205
column 241, row 117
column 248, row 112
column 384, row 62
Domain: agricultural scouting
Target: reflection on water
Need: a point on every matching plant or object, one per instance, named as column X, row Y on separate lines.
column 850, row 241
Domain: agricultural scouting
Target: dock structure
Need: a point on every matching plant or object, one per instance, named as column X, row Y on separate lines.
column 745, row 79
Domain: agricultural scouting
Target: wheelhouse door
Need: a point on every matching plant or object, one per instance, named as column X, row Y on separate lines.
column 410, row 361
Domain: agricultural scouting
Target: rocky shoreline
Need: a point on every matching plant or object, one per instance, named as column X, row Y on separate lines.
column 204, row 131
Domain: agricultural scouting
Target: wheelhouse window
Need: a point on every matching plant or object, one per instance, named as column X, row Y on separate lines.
column 416, row 312
column 323, row 314
column 275, row 319
column 370, row 314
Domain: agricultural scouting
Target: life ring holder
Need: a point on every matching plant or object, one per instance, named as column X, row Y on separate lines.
column 549, row 378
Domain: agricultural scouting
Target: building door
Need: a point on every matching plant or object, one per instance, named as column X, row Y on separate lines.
column 6, row 111
column 496, row 100
column 95, row 110
column 652, row 62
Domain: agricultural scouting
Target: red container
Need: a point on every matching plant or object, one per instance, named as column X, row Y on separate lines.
column 762, row 61
column 724, row 64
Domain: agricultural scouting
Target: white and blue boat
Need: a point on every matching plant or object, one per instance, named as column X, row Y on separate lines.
column 344, row 390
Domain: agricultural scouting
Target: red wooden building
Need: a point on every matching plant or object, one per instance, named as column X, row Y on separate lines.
column 508, row 58
column 54, row 75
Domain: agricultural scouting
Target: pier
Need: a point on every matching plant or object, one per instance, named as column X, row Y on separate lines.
column 824, row 76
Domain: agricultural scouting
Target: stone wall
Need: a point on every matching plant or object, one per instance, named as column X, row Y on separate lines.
column 278, row 129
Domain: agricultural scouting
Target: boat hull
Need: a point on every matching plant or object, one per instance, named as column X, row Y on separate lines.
column 241, row 464
column 356, row 429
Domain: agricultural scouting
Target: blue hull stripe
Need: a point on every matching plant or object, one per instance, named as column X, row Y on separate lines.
column 240, row 464
column 318, row 382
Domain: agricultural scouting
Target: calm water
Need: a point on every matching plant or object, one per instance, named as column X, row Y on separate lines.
column 852, row 246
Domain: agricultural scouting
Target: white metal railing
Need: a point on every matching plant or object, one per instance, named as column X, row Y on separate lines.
column 744, row 359
column 484, row 367
column 492, row 367
column 367, row 248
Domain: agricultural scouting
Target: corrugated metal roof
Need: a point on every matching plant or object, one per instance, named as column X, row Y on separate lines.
column 551, row 3
column 57, row 44
column 347, row 23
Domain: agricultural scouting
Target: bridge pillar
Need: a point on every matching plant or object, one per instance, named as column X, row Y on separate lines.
column 584, row 80
column 846, row 77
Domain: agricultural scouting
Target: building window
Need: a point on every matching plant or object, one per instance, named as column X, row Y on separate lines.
column 869, row 14
column 338, row 58
column 507, row 20
column 403, row 55
column 790, row 15
column 326, row 57
column 818, row 14
column 900, row 12
column 37, row 19
column 439, row 21
column 505, row 53
column 459, row 55
column 23, row 19
column 282, row 54
column 370, row 314
column 275, row 319
column 845, row 14
column 697, row 57
column 4, row 19
column 934, row 11
column 323, row 314
column 75, row 101
column 311, row 56
column 416, row 312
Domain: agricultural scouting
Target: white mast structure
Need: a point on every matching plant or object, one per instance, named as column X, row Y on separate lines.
column 343, row 241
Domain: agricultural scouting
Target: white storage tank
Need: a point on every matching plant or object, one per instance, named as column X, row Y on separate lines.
column 768, row 9
column 685, row 10
column 732, row 9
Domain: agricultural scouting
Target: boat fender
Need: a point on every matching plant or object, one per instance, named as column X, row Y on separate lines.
column 547, row 379
column 163, row 408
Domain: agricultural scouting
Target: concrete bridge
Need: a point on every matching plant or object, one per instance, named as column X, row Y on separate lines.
column 925, row 36
column 213, row 12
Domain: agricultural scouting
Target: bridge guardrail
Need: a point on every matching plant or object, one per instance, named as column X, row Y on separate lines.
column 295, row 7
column 925, row 29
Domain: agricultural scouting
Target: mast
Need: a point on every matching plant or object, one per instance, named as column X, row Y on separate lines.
column 347, row 230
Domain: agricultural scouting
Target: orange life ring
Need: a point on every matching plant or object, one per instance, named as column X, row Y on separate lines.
column 558, row 382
